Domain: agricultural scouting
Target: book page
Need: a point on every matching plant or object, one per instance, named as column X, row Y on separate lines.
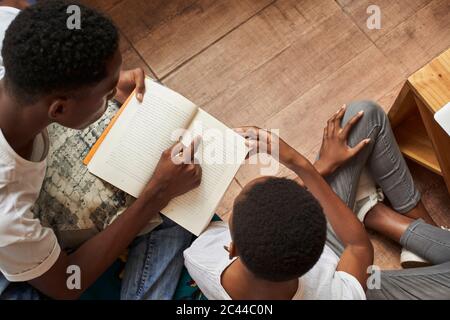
column 132, row 148
column 220, row 155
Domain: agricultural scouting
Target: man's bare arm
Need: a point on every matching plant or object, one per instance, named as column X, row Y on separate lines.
column 97, row 254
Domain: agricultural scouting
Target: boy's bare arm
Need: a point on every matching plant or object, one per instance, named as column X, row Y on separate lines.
column 358, row 254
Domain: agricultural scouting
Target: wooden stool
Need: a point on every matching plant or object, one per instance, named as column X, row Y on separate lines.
column 419, row 136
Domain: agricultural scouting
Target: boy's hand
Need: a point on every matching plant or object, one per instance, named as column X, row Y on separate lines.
column 257, row 140
column 128, row 81
column 262, row 141
column 176, row 172
column 335, row 150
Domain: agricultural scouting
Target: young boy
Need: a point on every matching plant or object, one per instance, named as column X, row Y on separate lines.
column 276, row 243
column 53, row 74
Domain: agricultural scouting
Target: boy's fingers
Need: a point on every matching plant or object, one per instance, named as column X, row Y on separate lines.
column 247, row 132
column 330, row 127
column 241, row 130
column 348, row 127
column 339, row 115
column 251, row 144
column 356, row 149
column 252, row 133
column 325, row 132
column 335, row 121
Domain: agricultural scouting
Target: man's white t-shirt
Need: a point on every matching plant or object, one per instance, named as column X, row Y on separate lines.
column 7, row 14
column 27, row 249
column 206, row 260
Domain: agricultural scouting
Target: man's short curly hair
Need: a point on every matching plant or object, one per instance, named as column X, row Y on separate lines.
column 42, row 55
column 279, row 229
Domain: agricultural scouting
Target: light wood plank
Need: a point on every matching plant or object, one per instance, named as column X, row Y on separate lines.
column 392, row 13
column 368, row 76
column 262, row 39
column 137, row 18
column 420, row 38
column 184, row 35
column 102, row 5
column 225, row 65
column 431, row 84
column 273, row 86
column 387, row 252
column 131, row 58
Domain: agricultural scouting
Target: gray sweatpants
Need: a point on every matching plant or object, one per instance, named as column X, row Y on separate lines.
column 389, row 170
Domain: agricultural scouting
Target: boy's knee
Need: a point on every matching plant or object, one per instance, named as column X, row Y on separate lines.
column 372, row 110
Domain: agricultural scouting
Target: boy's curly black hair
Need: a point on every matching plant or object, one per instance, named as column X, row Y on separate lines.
column 279, row 229
column 42, row 55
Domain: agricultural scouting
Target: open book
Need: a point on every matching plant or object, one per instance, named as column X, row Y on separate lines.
column 128, row 151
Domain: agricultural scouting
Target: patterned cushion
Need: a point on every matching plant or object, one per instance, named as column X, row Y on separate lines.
column 73, row 202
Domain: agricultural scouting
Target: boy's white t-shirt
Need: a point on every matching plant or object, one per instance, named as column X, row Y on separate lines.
column 27, row 249
column 206, row 260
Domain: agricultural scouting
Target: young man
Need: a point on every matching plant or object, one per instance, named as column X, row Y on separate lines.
column 52, row 74
column 276, row 232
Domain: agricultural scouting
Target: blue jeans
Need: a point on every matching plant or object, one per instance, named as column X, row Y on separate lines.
column 152, row 271
column 17, row 290
column 155, row 262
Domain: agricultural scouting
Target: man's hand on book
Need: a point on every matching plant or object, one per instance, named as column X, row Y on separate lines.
column 177, row 172
column 128, row 81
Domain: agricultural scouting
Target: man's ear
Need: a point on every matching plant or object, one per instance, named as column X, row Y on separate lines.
column 57, row 109
column 232, row 250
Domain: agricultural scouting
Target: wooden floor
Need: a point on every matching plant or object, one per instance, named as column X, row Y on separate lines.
column 286, row 64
